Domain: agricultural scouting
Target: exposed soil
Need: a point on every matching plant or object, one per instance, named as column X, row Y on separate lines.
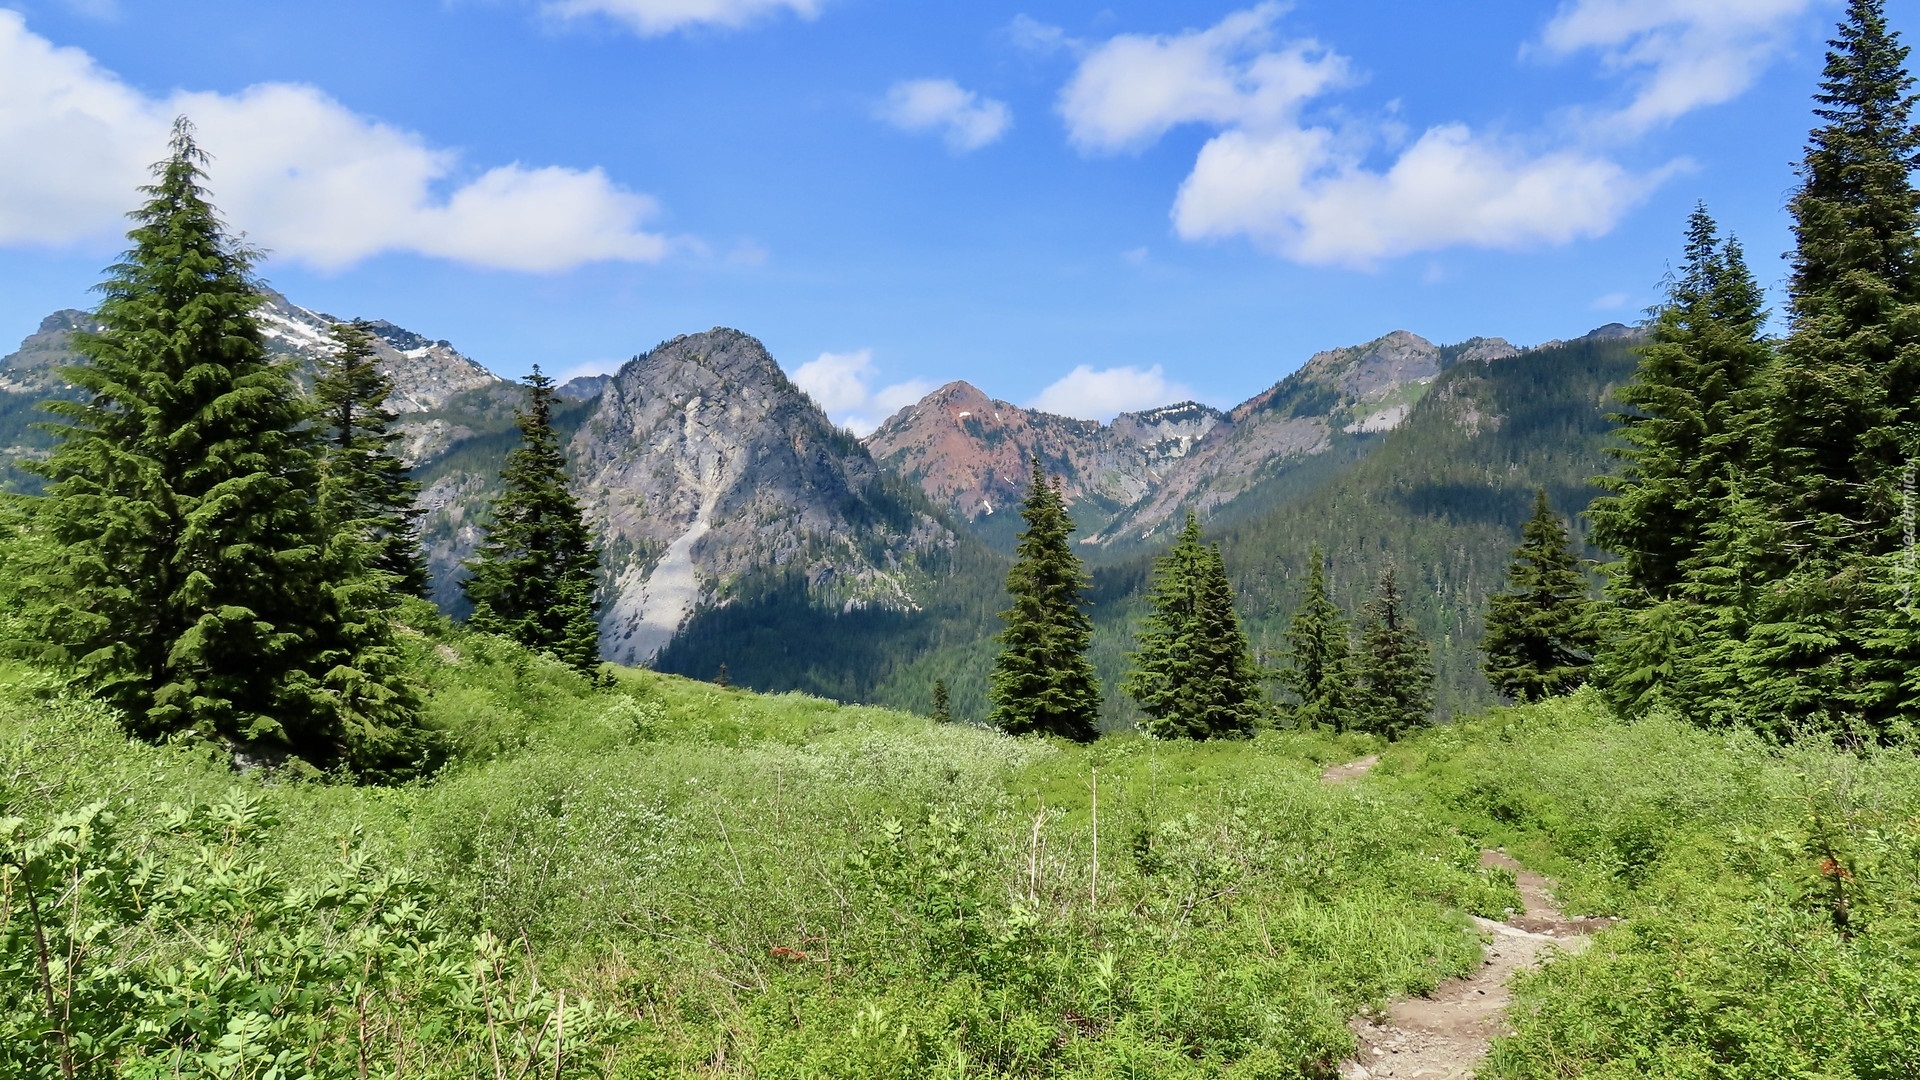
column 1445, row 1034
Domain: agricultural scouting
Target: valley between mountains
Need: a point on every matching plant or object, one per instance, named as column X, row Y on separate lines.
column 739, row 525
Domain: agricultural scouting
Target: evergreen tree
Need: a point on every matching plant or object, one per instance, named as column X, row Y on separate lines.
column 1834, row 644
column 193, row 581
column 1230, row 701
column 532, row 579
column 1192, row 673
column 1694, row 399
column 366, row 482
column 1319, row 670
column 720, row 678
column 1540, row 635
column 942, row 705
column 1042, row 680
column 1396, row 666
column 1680, row 509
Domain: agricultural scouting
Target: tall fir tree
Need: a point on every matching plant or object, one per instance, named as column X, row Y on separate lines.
column 193, row 580
column 533, row 577
column 1835, row 641
column 1319, row 670
column 365, row 481
column 1694, row 398
column 942, row 703
column 1231, row 703
column 1192, row 674
column 1042, row 680
column 1540, row 636
column 1395, row 666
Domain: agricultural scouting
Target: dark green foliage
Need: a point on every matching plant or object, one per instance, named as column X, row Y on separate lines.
column 1541, row 635
column 1192, row 674
column 942, row 704
column 366, row 485
column 1833, row 639
column 1319, row 671
column 1042, row 681
column 191, row 579
column 720, row 678
column 533, row 577
column 1395, row 666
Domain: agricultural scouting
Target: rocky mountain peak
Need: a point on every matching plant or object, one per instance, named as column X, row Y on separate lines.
column 702, row 466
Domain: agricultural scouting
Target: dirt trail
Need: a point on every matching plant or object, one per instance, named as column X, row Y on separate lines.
column 1444, row 1035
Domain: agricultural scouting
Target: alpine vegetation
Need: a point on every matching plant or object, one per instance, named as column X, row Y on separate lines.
column 1042, row 681
column 1192, row 672
column 533, row 579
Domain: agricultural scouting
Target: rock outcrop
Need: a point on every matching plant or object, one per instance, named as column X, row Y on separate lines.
column 703, row 466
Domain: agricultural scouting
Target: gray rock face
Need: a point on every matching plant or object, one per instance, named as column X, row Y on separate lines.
column 1363, row 389
column 703, row 464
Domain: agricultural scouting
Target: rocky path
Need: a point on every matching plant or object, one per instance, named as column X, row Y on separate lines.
column 1445, row 1035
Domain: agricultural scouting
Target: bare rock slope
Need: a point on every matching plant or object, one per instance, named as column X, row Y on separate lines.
column 971, row 453
column 702, row 466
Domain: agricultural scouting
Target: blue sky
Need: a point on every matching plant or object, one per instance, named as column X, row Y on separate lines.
column 1089, row 206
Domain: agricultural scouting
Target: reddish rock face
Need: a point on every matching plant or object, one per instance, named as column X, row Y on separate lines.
column 971, row 454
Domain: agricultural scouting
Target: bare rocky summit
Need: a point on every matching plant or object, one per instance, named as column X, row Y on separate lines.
column 971, row 453
column 702, row 466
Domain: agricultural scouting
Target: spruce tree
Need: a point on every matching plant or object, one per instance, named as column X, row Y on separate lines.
column 1319, row 670
column 532, row 579
column 366, row 481
column 1192, row 673
column 1540, row 635
column 1230, row 701
column 1834, row 643
column 942, row 705
column 1042, row 680
column 1396, row 666
column 189, row 587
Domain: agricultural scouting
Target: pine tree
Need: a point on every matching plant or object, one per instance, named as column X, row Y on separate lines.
column 1679, row 517
column 532, row 579
column 942, row 705
column 1319, row 670
column 1834, row 645
column 366, row 482
column 1230, row 702
column 1540, row 635
column 1042, row 680
column 1192, row 673
column 193, row 580
column 720, row 678
column 1396, row 666
column 1694, row 398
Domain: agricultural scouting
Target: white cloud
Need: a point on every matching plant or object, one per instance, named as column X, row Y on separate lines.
column 650, row 18
column 842, row 385
column 1681, row 55
column 298, row 172
column 1313, row 194
column 1295, row 193
column 1133, row 88
column 965, row 120
column 1100, row 395
column 1029, row 34
column 1613, row 301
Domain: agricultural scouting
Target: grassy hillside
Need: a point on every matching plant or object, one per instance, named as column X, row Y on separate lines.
column 693, row 881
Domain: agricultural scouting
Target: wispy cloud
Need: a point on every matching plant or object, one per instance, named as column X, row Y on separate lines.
column 842, row 384
column 1314, row 194
column 650, row 18
column 964, row 119
column 1101, row 395
column 1678, row 55
column 301, row 174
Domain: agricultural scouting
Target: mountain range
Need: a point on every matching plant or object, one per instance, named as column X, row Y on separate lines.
column 738, row 524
